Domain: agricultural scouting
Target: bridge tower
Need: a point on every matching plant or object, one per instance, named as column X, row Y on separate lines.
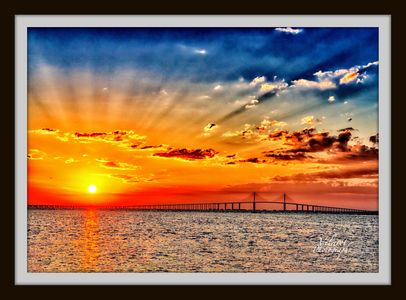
column 254, row 204
column 284, row 201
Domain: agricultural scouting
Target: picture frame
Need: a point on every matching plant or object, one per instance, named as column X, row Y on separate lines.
column 158, row 282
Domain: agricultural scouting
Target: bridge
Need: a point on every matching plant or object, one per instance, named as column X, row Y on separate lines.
column 254, row 203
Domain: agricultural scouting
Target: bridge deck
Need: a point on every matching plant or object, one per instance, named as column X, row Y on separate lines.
column 235, row 206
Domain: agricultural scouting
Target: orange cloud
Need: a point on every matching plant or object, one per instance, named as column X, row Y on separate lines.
column 349, row 77
column 116, row 165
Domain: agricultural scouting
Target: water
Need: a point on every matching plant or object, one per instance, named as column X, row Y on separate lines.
column 131, row 241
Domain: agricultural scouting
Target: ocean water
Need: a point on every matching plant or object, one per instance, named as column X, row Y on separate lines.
column 142, row 241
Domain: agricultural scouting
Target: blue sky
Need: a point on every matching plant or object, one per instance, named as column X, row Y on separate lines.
column 228, row 54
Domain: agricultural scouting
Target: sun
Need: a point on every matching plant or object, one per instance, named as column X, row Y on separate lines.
column 92, row 189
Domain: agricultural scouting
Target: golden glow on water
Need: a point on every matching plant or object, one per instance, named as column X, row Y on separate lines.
column 90, row 241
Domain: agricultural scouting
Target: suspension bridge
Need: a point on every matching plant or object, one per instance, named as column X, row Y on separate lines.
column 254, row 203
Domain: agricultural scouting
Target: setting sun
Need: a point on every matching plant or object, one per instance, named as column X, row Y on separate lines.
column 91, row 189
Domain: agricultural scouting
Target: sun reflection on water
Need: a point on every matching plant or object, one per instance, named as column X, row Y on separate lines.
column 90, row 242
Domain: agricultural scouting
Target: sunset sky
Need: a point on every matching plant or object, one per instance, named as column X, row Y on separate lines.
column 127, row 116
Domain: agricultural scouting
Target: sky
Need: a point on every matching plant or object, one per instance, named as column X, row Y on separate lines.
column 167, row 115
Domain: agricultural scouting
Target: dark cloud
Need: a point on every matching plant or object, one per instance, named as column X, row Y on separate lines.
column 254, row 160
column 114, row 135
column 307, row 140
column 374, row 139
column 150, row 147
column 94, row 134
column 289, row 156
column 366, row 173
column 347, row 129
column 188, row 154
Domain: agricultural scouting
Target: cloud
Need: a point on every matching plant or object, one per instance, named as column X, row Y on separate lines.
column 218, row 87
column 289, row 30
column 258, row 80
column 308, row 140
column 254, row 160
column 287, row 157
column 200, row 51
column 252, row 103
column 70, row 161
column 130, row 178
column 374, row 139
column 209, row 128
column 152, row 147
column 336, row 147
column 344, row 173
column 370, row 64
column 349, row 77
column 355, row 74
column 273, row 86
column 202, row 97
column 188, row 154
column 116, row 165
column 35, row 154
column 310, row 120
column 121, row 138
column 255, row 133
column 347, row 129
column 321, row 85
column 267, row 124
column 164, row 93
column 193, row 50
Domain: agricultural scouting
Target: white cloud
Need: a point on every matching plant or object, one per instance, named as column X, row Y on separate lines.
column 252, row 103
column 331, row 99
column 209, row 128
column 310, row 120
column 267, row 124
column 190, row 49
column 346, row 76
column 322, row 85
column 218, row 87
column 202, row 97
column 331, row 74
column 200, row 51
column 289, row 30
column 272, row 86
column 362, row 77
column 370, row 64
column 257, row 80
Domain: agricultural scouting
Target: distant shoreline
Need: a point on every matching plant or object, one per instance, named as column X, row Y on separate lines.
column 52, row 207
